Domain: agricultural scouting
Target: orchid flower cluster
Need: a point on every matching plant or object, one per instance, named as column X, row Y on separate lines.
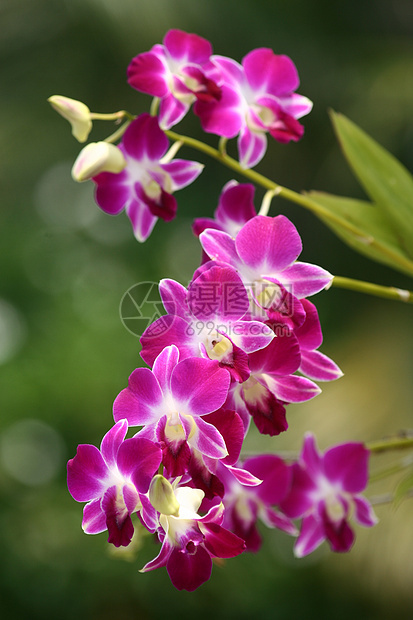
column 235, row 346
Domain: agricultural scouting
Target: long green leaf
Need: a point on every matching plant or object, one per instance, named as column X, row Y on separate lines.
column 404, row 488
column 384, row 178
column 370, row 232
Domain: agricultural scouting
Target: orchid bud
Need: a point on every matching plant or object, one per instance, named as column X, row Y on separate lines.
column 76, row 112
column 162, row 496
column 97, row 157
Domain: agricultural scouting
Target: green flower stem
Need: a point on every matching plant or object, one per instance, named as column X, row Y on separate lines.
column 387, row 292
column 260, row 179
column 116, row 135
column 114, row 116
column 274, row 189
column 392, row 443
column 154, row 106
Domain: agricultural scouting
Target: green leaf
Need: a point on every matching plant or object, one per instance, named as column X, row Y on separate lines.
column 384, row 178
column 364, row 228
column 403, row 488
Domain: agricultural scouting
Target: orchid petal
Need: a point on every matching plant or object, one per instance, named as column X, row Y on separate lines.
column 224, row 117
column 269, row 72
column 244, row 477
column 220, row 246
column 143, row 138
column 139, row 460
column 147, row 73
column 182, row 172
column 86, row 473
column 276, row 476
column 305, row 279
column 274, row 518
column 166, row 331
column 318, row 366
column 298, row 500
column 184, row 46
column 341, row 537
column 268, row 244
column 171, row 111
column 236, row 205
column 173, row 297
column 364, row 513
column 280, row 357
column 218, row 293
column 221, row 542
column 94, row 519
column 348, row 465
column 311, row 536
column 139, row 401
column 141, row 218
column 200, row 385
column 188, row 571
column 230, row 426
column 252, row 146
column 208, row 440
column 309, row 332
column 112, row 191
column 112, row 441
column 164, row 365
column 118, row 520
column 310, row 457
column 161, row 559
column 291, row 388
column 250, row 336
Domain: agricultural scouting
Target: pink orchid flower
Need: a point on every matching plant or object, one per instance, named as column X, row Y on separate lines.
column 264, row 253
column 178, row 72
column 145, row 186
column 257, row 97
column 326, row 492
column 190, row 541
column 170, row 401
column 114, row 481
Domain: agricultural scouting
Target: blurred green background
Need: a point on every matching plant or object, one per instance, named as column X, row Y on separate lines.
column 64, row 266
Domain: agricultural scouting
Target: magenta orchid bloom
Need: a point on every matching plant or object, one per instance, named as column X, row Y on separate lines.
column 145, row 186
column 244, row 506
column 189, row 541
column 206, row 472
column 207, row 320
column 257, row 97
column 114, row 481
column 170, row 400
column 178, row 72
column 272, row 385
column 235, row 207
column 314, row 364
column 265, row 252
column 326, row 492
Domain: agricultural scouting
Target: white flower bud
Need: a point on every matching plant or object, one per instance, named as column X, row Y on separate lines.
column 162, row 496
column 76, row 112
column 97, row 157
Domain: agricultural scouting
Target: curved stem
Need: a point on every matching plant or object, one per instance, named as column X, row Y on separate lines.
column 114, row 116
column 114, row 137
column 266, row 201
column 392, row 443
column 301, row 199
column 387, row 292
column 263, row 181
column 154, row 106
column 222, row 146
